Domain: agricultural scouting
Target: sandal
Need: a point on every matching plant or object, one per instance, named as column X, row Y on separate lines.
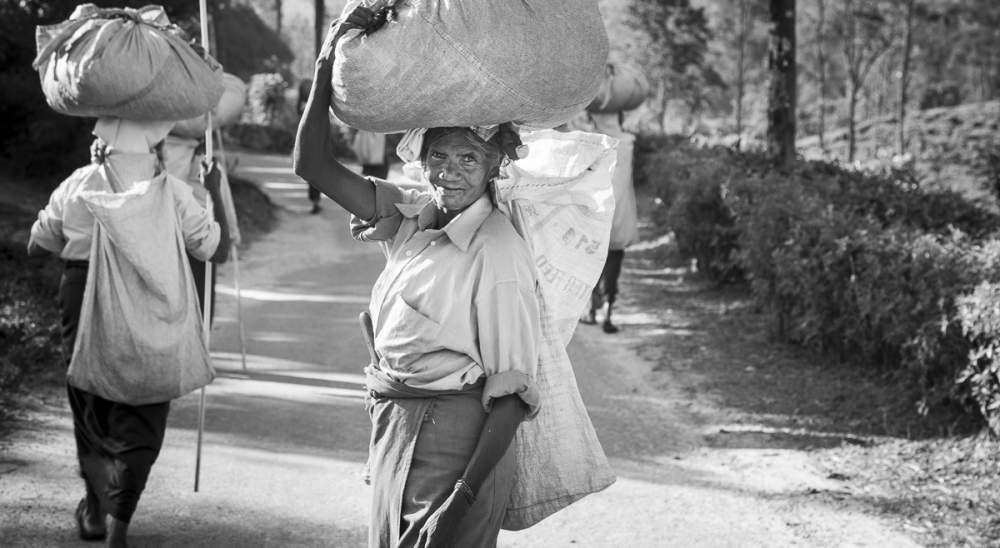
column 89, row 529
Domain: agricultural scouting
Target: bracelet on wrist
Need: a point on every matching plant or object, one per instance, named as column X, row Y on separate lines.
column 466, row 490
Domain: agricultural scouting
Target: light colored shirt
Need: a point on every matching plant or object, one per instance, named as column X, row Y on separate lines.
column 66, row 227
column 453, row 304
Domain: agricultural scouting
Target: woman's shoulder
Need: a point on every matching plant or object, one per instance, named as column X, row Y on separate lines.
column 500, row 240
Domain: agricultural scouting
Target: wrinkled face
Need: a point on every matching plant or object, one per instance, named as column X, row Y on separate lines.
column 457, row 170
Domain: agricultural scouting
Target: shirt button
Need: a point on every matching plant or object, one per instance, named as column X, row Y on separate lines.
column 409, row 253
column 434, row 243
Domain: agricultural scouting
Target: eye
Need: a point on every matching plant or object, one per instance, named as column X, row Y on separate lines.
column 469, row 158
column 437, row 155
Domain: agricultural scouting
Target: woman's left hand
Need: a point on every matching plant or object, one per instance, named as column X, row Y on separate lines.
column 440, row 529
column 361, row 18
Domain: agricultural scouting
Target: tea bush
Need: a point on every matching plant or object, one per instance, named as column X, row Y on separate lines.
column 868, row 267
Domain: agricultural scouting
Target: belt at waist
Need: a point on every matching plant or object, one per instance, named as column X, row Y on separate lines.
column 381, row 384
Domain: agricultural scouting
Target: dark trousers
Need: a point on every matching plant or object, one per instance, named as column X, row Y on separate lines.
column 313, row 194
column 606, row 290
column 116, row 443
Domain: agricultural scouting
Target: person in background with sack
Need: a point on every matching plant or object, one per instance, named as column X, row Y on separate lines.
column 455, row 331
column 117, row 443
column 624, row 225
column 369, row 147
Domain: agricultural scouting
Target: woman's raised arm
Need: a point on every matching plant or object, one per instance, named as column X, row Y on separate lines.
column 313, row 158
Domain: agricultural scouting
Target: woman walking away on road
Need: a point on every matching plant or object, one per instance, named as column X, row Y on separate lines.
column 455, row 326
column 130, row 325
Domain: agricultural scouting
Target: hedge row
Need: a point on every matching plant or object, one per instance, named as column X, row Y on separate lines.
column 871, row 268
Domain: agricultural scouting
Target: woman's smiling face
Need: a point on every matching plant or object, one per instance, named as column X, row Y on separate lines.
column 457, row 170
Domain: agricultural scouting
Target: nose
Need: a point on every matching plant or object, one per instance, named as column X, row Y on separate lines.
column 448, row 171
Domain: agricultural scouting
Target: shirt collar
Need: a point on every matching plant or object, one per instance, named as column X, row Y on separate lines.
column 461, row 229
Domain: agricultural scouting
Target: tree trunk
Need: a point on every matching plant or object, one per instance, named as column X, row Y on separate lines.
column 781, row 65
column 851, row 53
column 277, row 17
column 821, row 59
column 319, row 23
column 904, row 79
column 740, row 80
column 852, row 101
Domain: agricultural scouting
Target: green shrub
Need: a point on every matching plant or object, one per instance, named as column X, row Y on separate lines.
column 868, row 267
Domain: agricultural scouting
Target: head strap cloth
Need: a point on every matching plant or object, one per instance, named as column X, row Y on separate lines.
column 408, row 149
column 126, row 147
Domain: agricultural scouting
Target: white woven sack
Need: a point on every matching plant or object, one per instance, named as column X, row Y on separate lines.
column 226, row 112
column 140, row 336
column 474, row 62
column 123, row 63
column 561, row 201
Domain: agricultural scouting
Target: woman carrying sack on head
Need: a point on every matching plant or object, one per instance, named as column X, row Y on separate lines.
column 455, row 326
column 131, row 327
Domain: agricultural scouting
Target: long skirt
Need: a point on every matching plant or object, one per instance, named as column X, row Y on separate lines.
column 421, row 444
column 116, row 444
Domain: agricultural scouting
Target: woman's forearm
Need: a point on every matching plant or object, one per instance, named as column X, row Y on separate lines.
column 498, row 432
column 313, row 155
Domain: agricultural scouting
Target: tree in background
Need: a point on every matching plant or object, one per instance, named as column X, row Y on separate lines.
column 675, row 58
column 782, row 98
column 866, row 36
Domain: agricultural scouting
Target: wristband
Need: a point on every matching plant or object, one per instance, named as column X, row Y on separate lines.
column 465, row 490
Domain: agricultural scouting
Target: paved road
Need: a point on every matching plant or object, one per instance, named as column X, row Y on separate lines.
column 286, row 436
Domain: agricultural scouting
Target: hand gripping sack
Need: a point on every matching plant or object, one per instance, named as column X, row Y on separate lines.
column 123, row 63
column 561, row 201
column 140, row 336
column 474, row 62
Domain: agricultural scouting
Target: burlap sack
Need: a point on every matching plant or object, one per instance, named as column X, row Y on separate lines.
column 623, row 88
column 140, row 337
column 123, row 63
column 475, row 62
column 226, row 112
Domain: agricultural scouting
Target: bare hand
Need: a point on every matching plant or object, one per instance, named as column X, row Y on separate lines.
column 440, row 529
column 211, row 177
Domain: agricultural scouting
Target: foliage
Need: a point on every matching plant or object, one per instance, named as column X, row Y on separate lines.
column 247, row 45
column 868, row 267
column 29, row 321
column 675, row 56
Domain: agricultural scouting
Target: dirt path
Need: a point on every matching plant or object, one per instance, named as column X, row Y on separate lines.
column 285, row 438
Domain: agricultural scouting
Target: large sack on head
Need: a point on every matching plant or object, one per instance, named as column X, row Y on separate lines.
column 124, row 63
column 475, row 62
column 623, row 88
column 140, row 336
column 226, row 112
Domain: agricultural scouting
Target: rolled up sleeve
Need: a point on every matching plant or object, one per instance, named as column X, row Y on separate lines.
column 509, row 328
column 47, row 230
column 385, row 222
